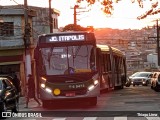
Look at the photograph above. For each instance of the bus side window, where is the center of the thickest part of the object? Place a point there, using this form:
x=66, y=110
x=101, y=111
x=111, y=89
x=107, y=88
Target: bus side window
x=92, y=59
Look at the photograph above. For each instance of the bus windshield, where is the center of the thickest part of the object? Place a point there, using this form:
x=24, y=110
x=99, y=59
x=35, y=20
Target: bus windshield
x=68, y=59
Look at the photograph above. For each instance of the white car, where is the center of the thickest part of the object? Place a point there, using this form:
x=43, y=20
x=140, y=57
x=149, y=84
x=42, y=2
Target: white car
x=141, y=78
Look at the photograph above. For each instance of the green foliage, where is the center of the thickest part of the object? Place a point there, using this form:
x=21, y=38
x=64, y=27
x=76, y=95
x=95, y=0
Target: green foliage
x=107, y=6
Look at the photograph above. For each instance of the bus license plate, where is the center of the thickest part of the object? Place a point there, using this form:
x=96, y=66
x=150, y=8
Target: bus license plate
x=70, y=94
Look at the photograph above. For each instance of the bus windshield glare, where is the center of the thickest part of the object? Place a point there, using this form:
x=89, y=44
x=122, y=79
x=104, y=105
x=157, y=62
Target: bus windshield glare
x=68, y=59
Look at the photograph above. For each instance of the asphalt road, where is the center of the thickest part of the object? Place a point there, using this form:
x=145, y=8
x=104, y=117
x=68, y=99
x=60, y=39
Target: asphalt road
x=130, y=103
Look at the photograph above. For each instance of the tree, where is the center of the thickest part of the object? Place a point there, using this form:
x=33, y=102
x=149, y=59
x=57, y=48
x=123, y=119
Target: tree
x=72, y=27
x=153, y=10
x=108, y=8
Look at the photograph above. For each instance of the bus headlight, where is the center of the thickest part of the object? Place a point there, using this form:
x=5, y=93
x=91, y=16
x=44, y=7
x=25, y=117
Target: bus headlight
x=90, y=87
x=95, y=82
x=95, y=79
x=43, y=85
x=43, y=79
x=48, y=90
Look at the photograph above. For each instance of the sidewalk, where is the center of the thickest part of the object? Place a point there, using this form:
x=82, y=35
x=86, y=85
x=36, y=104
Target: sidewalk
x=32, y=103
x=22, y=100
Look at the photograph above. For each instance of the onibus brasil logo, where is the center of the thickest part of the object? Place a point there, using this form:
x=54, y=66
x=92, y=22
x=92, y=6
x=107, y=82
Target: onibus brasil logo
x=21, y=114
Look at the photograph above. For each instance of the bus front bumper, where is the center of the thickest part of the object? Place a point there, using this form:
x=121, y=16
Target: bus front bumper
x=44, y=95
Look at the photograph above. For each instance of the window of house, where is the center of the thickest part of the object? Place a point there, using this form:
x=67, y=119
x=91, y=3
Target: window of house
x=6, y=29
x=55, y=23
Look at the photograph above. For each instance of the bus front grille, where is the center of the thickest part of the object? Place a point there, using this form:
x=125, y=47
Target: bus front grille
x=73, y=92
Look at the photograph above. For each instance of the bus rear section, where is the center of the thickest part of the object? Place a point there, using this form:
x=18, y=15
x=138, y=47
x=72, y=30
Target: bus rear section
x=66, y=68
x=112, y=68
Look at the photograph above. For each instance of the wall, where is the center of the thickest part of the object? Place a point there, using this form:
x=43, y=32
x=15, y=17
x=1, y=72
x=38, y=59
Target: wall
x=152, y=58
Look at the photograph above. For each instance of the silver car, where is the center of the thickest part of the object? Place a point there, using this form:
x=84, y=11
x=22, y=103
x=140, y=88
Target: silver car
x=141, y=78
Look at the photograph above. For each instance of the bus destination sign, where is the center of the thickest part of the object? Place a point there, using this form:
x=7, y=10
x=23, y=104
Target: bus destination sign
x=65, y=38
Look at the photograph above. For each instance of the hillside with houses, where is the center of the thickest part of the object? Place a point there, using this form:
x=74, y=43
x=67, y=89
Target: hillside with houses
x=139, y=46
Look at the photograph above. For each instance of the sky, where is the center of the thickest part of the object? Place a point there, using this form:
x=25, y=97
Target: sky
x=124, y=16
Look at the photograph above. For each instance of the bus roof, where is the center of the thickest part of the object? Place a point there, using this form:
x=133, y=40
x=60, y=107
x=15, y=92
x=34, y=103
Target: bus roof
x=105, y=48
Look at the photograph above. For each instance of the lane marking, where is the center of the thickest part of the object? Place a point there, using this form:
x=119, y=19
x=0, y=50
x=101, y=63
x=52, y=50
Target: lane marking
x=120, y=118
x=89, y=118
x=153, y=118
x=59, y=119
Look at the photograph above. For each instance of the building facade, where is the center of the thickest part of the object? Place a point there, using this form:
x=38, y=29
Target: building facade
x=12, y=44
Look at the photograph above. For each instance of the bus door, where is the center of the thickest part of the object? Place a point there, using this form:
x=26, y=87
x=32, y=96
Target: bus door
x=98, y=64
x=105, y=74
x=108, y=70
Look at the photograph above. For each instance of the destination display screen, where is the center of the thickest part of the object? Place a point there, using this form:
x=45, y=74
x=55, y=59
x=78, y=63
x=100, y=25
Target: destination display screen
x=57, y=38
x=65, y=38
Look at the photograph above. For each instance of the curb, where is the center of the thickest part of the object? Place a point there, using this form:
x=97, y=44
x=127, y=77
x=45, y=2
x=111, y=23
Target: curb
x=22, y=100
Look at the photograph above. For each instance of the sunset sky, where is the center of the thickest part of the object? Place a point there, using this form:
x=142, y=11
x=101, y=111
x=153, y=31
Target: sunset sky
x=125, y=13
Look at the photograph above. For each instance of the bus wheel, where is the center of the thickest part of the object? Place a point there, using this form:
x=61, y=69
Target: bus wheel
x=93, y=101
x=121, y=87
x=44, y=103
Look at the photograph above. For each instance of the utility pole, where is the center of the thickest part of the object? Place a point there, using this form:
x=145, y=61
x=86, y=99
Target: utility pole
x=50, y=17
x=27, y=42
x=158, y=46
x=75, y=13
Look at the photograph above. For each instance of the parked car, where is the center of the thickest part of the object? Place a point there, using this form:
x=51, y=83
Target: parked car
x=155, y=81
x=133, y=75
x=8, y=95
x=141, y=78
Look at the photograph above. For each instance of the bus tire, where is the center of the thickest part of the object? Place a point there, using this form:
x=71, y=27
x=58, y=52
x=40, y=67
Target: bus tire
x=121, y=87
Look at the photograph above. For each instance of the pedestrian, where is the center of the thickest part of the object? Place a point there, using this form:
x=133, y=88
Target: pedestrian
x=31, y=90
x=17, y=84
